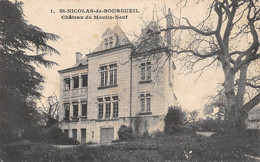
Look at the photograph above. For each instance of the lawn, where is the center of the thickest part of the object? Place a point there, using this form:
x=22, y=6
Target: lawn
x=184, y=147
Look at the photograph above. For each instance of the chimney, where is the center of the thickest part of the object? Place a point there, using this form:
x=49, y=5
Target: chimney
x=169, y=24
x=78, y=56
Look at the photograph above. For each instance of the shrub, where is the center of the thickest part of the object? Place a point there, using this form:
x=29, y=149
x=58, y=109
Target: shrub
x=52, y=135
x=145, y=135
x=70, y=141
x=125, y=133
x=6, y=135
x=211, y=125
x=174, y=120
x=115, y=141
x=55, y=135
x=157, y=134
x=91, y=143
x=223, y=146
x=15, y=151
x=33, y=134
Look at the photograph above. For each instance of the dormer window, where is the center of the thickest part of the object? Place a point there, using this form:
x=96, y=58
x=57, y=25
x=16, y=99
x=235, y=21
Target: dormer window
x=109, y=42
x=106, y=45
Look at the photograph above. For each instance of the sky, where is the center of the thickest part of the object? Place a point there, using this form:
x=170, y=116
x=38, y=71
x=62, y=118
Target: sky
x=84, y=36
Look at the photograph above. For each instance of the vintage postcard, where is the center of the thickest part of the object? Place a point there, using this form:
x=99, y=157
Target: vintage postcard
x=139, y=80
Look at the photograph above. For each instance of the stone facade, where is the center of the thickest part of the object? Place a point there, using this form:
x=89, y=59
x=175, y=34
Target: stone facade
x=109, y=87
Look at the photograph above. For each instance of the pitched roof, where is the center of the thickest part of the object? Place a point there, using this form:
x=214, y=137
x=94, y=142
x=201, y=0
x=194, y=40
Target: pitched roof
x=121, y=38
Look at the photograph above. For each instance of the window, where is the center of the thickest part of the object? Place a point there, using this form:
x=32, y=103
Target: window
x=100, y=99
x=148, y=68
x=146, y=71
x=67, y=83
x=76, y=82
x=107, y=98
x=84, y=80
x=108, y=110
x=104, y=76
x=115, y=109
x=67, y=111
x=74, y=134
x=145, y=101
x=142, y=104
x=106, y=45
x=108, y=75
x=108, y=107
x=75, y=109
x=83, y=108
x=143, y=71
x=148, y=104
x=113, y=74
x=108, y=42
x=100, y=110
x=115, y=98
x=110, y=104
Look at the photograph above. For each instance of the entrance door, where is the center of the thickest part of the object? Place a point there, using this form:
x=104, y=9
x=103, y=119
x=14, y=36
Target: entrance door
x=74, y=134
x=106, y=135
x=83, y=136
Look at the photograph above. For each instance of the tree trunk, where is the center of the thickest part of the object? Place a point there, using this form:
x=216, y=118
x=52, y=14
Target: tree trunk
x=240, y=95
x=241, y=86
x=232, y=115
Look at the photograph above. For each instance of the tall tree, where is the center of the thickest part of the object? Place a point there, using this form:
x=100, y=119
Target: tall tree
x=50, y=111
x=227, y=37
x=23, y=46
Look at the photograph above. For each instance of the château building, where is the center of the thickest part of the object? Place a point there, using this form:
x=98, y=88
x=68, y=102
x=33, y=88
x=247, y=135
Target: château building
x=116, y=85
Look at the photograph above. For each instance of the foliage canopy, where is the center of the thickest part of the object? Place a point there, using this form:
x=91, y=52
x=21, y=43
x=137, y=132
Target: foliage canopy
x=23, y=46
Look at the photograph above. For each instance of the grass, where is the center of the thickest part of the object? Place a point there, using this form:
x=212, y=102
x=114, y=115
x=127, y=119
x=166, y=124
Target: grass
x=184, y=147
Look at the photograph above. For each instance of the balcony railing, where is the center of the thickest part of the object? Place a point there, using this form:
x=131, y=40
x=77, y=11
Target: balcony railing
x=76, y=92
x=75, y=119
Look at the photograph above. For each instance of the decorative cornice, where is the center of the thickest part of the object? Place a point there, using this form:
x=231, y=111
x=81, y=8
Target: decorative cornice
x=72, y=69
x=109, y=50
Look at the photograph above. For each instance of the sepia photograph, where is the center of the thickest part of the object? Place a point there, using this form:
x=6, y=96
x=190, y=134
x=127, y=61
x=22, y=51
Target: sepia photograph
x=121, y=80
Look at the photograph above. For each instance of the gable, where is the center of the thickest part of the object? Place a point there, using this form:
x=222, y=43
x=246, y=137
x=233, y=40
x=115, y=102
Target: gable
x=119, y=39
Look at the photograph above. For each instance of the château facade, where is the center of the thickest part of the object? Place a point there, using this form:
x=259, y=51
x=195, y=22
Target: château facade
x=114, y=86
